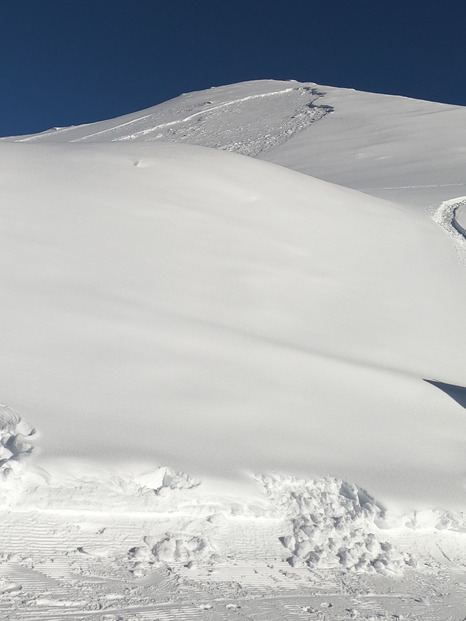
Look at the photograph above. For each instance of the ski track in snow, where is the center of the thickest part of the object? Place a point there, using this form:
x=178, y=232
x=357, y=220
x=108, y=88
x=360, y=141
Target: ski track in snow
x=414, y=187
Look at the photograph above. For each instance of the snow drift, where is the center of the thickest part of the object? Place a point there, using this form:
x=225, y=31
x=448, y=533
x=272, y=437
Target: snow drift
x=221, y=315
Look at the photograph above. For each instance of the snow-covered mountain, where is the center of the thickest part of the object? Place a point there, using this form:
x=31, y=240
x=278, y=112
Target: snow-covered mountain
x=174, y=304
x=392, y=147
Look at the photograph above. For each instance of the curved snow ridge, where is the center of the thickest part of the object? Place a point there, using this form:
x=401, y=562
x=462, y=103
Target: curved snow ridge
x=446, y=217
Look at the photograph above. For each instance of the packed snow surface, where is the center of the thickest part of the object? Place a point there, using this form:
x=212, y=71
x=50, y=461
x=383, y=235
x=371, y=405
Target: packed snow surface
x=226, y=361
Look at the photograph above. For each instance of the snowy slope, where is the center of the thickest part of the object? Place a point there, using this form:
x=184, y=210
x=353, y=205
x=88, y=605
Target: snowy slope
x=249, y=118
x=393, y=147
x=167, y=302
x=214, y=358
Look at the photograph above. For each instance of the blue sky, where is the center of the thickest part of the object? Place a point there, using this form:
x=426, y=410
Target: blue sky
x=66, y=62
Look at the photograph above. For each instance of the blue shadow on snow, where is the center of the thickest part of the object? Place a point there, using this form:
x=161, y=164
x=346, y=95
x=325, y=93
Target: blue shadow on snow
x=458, y=393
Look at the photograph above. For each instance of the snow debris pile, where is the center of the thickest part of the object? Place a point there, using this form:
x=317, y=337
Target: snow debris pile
x=164, y=479
x=172, y=549
x=333, y=523
x=437, y=519
x=445, y=215
x=15, y=443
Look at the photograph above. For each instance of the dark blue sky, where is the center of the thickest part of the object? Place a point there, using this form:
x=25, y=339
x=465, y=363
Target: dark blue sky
x=67, y=62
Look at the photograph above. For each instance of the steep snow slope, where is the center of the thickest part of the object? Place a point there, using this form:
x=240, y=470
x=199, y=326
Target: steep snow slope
x=393, y=147
x=169, y=302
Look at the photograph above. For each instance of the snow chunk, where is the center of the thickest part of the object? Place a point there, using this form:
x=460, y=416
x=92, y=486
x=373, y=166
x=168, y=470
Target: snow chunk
x=165, y=478
x=333, y=523
x=15, y=442
x=437, y=519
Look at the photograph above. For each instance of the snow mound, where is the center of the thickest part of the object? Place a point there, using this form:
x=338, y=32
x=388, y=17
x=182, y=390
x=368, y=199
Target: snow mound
x=333, y=523
x=173, y=549
x=15, y=442
x=164, y=479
